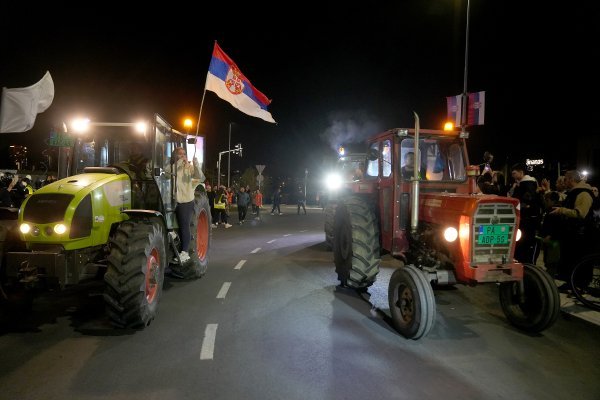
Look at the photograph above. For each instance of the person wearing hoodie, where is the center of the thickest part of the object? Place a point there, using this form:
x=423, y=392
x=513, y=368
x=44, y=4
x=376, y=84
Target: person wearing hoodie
x=525, y=188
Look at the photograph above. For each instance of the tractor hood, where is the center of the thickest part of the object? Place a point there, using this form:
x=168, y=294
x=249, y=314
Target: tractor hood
x=77, y=211
x=77, y=183
x=449, y=207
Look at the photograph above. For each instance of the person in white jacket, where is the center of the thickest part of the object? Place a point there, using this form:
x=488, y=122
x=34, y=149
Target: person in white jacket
x=188, y=175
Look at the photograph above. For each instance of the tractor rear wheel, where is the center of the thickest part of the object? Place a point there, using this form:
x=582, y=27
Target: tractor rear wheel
x=356, y=243
x=412, y=303
x=329, y=218
x=201, y=236
x=135, y=275
x=540, y=304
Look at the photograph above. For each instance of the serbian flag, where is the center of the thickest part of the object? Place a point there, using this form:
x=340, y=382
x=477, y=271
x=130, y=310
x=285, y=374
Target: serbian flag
x=476, y=109
x=455, y=109
x=227, y=81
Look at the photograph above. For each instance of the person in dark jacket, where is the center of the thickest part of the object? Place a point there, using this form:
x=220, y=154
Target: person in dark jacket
x=578, y=238
x=301, y=198
x=525, y=188
x=276, y=202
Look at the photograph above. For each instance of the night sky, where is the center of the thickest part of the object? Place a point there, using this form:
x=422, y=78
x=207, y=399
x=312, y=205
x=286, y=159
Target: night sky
x=333, y=73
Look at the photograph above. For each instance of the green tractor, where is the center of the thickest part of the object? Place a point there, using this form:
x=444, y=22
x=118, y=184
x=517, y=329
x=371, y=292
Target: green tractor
x=114, y=219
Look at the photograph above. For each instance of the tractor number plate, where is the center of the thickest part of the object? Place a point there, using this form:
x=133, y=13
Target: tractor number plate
x=493, y=234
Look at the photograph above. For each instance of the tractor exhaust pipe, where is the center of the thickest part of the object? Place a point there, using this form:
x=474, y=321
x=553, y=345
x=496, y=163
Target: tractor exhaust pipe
x=414, y=212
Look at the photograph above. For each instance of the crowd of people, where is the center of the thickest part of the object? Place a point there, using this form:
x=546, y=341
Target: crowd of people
x=14, y=189
x=563, y=221
x=220, y=200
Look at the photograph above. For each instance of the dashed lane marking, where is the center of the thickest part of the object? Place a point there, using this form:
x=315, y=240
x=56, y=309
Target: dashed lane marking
x=223, y=292
x=256, y=250
x=271, y=241
x=287, y=234
x=240, y=264
x=208, y=344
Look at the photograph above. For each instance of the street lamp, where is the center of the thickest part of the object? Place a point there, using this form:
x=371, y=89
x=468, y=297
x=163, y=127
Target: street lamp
x=187, y=124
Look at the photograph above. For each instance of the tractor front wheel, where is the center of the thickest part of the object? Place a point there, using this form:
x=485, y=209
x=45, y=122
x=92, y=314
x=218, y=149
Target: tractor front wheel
x=538, y=307
x=412, y=303
x=135, y=275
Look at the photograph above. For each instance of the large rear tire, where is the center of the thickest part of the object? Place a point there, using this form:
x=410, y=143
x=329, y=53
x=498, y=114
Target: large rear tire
x=356, y=243
x=201, y=237
x=541, y=302
x=412, y=302
x=329, y=221
x=135, y=275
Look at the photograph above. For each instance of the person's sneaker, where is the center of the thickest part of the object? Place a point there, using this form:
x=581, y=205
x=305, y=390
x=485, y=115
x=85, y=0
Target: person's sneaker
x=280, y=213
x=272, y=213
x=215, y=225
x=184, y=257
x=228, y=225
x=173, y=235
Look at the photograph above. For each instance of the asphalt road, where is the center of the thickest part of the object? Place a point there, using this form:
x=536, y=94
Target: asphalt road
x=269, y=321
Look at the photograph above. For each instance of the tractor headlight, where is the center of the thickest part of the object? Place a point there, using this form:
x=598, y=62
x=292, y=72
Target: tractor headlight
x=450, y=234
x=60, y=228
x=25, y=228
x=333, y=181
x=519, y=234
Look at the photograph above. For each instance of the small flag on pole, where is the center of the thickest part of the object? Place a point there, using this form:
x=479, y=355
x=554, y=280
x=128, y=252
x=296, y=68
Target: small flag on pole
x=227, y=81
x=20, y=106
x=476, y=111
x=454, y=109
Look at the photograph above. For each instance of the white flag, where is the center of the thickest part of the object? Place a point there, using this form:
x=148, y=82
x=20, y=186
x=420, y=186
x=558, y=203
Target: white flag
x=20, y=106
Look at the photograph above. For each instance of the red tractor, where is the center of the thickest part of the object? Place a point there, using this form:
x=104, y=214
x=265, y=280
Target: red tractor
x=439, y=228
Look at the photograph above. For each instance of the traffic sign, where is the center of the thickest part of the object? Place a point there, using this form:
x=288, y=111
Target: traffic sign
x=60, y=140
x=260, y=178
x=260, y=169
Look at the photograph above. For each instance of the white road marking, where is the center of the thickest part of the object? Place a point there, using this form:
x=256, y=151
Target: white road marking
x=256, y=250
x=208, y=344
x=240, y=264
x=271, y=241
x=223, y=292
x=287, y=234
x=305, y=230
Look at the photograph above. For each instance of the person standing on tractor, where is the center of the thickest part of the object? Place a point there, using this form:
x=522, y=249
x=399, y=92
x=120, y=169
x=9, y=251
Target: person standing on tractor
x=184, y=173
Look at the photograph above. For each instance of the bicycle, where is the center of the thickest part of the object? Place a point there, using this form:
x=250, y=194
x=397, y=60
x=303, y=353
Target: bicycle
x=585, y=281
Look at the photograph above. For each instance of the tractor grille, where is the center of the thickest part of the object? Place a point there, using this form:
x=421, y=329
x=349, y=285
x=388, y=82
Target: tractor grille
x=46, y=208
x=493, y=214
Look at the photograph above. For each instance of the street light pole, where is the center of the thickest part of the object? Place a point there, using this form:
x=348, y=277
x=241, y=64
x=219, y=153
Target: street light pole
x=229, y=157
x=305, y=179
